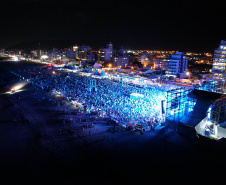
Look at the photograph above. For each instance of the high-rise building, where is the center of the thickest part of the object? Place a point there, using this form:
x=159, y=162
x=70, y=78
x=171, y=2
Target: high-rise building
x=144, y=59
x=177, y=63
x=121, y=61
x=219, y=61
x=75, y=49
x=83, y=52
x=120, y=51
x=71, y=54
x=161, y=64
x=106, y=52
x=120, y=58
x=92, y=57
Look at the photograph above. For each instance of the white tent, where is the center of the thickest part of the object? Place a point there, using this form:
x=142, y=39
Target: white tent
x=96, y=65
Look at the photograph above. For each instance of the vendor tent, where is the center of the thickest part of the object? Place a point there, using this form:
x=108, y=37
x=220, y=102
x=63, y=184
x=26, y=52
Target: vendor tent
x=85, y=70
x=96, y=72
x=102, y=74
x=89, y=71
x=96, y=65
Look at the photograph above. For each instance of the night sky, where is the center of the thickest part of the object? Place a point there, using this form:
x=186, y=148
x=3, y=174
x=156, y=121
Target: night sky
x=165, y=25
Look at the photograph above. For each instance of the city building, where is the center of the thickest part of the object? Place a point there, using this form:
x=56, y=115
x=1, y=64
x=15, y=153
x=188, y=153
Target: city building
x=121, y=61
x=35, y=53
x=106, y=52
x=219, y=61
x=2, y=52
x=177, y=64
x=120, y=52
x=53, y=54
x=71, y=54
x=160, y=64
x=75, y=49
x=83, y=52
x=144, y=59
x=199, y=58
x=92, y=57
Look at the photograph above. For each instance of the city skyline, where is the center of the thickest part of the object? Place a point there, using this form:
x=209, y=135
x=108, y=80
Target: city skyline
x=184, y=26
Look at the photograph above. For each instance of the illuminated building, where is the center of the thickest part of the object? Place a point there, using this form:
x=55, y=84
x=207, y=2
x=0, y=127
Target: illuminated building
x=219, y=61
x=120, y=58
x=75, y=49
x=83, y=52
x=121, y=61
x=92, y=57
x=120, y=52
x=2, y=51
x=106, y=52
x=177, y=63
x=144, y=58
x=54, y=54
x=160, y=64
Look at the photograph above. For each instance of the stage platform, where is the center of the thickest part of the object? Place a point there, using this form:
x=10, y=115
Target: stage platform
x=186, y=124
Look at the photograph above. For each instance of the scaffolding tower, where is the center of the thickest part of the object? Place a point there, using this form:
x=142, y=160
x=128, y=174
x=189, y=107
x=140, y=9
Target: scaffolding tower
x=122, y=82
x=92, y=85
x=178, y=103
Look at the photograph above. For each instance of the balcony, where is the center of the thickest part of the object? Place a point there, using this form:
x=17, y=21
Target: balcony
x=219, y=57
x=218, y=71
x=220, y=50
x=220, y=53
x=219, y=65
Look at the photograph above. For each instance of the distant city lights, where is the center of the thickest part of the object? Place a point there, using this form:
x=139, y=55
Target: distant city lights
x=15, y=58
x=44, y=57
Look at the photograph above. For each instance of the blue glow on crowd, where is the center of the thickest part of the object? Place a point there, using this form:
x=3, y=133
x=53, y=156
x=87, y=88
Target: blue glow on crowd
x=109, y=97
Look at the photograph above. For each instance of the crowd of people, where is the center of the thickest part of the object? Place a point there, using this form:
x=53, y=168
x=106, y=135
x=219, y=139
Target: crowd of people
x=108, y=97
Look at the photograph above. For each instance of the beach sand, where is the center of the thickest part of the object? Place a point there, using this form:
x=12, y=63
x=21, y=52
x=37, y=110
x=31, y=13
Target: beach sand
x=41, y=143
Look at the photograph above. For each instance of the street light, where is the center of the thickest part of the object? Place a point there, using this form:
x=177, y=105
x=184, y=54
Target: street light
x=188, y=74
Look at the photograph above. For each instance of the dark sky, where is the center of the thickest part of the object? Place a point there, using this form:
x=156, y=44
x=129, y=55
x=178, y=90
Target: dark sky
x=168, y=25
